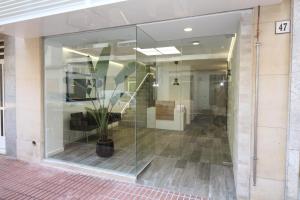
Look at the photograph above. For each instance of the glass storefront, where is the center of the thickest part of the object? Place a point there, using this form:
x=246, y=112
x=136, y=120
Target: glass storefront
x=118, y=99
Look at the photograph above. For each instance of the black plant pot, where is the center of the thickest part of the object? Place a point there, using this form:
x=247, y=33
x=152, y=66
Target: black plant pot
x=105, y=148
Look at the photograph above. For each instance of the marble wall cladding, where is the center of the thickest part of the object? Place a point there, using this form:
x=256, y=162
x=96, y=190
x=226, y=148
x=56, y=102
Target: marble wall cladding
x=293, y=138
x=240, y=106
x=295, y=98
x=267, y=189
x=244, y=115
x=292, y=176
x=273, y=103
x=10, y=97
x=29, y=106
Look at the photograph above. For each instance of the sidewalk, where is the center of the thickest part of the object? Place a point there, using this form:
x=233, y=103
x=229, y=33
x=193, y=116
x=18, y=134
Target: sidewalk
x=20, y=180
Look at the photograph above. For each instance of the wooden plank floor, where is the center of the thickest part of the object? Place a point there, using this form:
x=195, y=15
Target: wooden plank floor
x=190, y=161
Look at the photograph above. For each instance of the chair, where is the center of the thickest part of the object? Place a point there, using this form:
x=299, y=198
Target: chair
x=79, y=122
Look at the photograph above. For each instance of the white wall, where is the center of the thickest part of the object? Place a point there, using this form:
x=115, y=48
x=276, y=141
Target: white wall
x=201, y=91
x=168, y=92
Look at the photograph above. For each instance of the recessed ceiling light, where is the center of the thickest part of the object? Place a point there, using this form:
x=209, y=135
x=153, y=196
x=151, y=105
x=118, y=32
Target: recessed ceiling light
x=195, y=43
x=168, y=50
x=148, y=52
x=158, y=51
x=188, y=29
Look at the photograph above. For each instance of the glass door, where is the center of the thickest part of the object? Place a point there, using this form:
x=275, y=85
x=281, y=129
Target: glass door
x=2, y=134
x=145, y=100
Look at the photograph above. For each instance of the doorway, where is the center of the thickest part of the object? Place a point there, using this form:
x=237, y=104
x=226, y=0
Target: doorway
x=188, y=118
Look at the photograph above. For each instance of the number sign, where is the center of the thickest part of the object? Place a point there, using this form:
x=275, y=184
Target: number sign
x=282, y=27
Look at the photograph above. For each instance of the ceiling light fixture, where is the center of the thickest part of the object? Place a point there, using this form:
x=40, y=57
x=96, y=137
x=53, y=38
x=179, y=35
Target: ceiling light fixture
x=149, y=51
x=188, y=29
x=168, y=50
x=158, y=51
x=196, y=43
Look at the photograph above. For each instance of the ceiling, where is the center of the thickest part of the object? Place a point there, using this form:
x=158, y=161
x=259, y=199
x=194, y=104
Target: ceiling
x=81, y=16
x=214, y=43
x=210, y=54
x=208, y=25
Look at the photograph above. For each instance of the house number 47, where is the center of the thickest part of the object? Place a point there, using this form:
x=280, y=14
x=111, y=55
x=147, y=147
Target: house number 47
x=282, y=27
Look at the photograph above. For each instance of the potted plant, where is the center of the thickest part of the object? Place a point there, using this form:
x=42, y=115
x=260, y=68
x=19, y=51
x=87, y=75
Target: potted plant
x=104, y=102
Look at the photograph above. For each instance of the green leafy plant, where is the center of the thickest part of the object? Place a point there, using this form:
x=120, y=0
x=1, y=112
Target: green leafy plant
x=103, y=104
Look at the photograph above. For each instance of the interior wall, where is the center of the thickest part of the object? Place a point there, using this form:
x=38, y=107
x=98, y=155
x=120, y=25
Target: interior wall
x=194, y=89
x=201, y=91
x=168, y=92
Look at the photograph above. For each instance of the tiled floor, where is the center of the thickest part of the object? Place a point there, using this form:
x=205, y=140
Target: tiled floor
x=124, y=158
x=20, y=181
x=196, y=161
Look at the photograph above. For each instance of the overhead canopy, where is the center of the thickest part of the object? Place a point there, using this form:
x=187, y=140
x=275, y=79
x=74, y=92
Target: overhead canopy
x=31, y=18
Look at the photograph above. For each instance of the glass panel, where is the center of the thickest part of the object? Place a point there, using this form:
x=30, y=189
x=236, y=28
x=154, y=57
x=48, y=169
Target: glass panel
x=188, y=120
x=145, y=102
x=90, y=78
